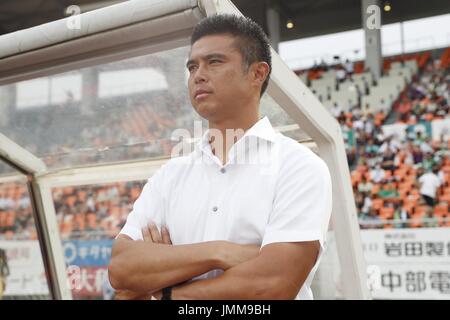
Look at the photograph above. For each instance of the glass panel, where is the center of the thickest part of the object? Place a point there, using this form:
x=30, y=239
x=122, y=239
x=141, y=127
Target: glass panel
x=327, y=283
x=22, y=273
x=6, y=170
x=125, y=110
x=280, y=119
x=113, y=112
x=89, y=218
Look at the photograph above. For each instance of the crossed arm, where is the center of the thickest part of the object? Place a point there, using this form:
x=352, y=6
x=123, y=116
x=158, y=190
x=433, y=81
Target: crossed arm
x=139, y=269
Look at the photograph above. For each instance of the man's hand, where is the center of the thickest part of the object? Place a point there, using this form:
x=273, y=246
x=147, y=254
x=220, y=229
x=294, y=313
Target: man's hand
x=221, y=254
x=150, y=234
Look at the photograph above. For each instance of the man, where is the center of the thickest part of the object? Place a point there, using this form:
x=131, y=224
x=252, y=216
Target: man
x=238, y=230
x=349, y=67
x=364, y=185
x=336, y=110
x=429, y=183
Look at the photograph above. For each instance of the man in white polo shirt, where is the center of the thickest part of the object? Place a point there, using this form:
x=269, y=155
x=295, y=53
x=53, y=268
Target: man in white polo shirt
x=239, y=220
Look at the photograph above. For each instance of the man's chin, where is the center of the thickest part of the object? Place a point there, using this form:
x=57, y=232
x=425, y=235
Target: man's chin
x=207, y=112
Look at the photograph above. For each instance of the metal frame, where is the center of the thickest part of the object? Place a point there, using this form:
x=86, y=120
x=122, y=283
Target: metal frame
x=44, y=215
x=284, y=87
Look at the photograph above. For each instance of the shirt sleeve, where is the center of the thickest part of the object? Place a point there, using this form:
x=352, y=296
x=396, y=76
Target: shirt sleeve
x=148, y=207
x=302, y=203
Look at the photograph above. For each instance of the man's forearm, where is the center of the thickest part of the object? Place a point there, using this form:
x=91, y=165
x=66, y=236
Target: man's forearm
x=278, y=272
x=147, y=267
x=241, y=282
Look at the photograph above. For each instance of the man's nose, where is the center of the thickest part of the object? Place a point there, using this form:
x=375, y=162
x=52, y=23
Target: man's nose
x=200, y=75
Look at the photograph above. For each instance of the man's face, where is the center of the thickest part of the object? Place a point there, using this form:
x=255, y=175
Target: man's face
x=219, y=87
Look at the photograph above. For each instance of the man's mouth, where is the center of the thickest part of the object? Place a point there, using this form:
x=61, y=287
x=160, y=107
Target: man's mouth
x=202, y=95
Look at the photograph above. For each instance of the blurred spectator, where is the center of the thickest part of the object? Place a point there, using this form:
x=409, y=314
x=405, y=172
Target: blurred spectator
x=388, y=160
x=429, y=183
x=371, y=220
x=430, y=221
x=336, y=110
x=388, y=190
x=401, y=215
x=349, y=68
x=377, y=175
x=365, y=186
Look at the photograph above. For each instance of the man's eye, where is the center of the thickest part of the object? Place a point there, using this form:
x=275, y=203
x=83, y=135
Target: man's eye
x=191, y=68
x=214, y=61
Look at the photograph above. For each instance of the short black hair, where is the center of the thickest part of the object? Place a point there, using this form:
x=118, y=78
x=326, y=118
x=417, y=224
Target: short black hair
x=252, y=41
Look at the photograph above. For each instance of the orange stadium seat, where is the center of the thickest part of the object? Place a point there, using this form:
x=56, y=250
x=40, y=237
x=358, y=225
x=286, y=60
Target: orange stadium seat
x=402, y=193
x=2, y=219
x=445, y=197
x=386, y=213
x=387, y=174
x=375, y=189
x=10, y=219
x=441, y=209
x=91, y=220
x=377, y=203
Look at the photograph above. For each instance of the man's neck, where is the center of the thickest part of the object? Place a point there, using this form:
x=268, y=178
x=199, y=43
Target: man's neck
x=231, y=130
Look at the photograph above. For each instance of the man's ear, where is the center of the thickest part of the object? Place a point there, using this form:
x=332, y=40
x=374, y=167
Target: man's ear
x=260, y=71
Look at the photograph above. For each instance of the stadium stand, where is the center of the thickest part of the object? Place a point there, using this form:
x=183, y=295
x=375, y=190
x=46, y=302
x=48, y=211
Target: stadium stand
x=385, y=169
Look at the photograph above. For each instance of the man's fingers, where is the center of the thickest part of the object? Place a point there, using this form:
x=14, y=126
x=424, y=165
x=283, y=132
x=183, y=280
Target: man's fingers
x=146, y=235
x=165, y=235
x=155, y=233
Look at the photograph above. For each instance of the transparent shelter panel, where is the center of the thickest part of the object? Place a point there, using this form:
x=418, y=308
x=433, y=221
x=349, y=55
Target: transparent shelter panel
x=119, y=111
x=327, y=283
x=22, y=273
x=6, y=170
x=280, y=120
x=89, y=218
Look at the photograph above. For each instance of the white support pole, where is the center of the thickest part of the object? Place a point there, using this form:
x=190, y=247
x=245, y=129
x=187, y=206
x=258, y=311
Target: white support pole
x=20, y=158
x=44, y=214
x=49, y=240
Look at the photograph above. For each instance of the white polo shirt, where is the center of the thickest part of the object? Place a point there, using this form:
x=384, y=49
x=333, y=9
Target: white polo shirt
x=282, y=196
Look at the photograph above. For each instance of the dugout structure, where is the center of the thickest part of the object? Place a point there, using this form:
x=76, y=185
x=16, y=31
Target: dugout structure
x=157, y=33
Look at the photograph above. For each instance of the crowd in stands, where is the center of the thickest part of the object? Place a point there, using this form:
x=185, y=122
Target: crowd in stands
x=426, y=98
x=84, y=212
x=398, y=180
x=344, y=69
x=402, y=177
x=117, y=130
x=94, y=212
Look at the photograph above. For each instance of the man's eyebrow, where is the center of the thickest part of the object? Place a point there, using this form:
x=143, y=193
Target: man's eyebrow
x=206, y=57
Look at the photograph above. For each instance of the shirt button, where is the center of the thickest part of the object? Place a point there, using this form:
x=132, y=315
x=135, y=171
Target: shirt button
x=214, y=209
x=223, y=170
